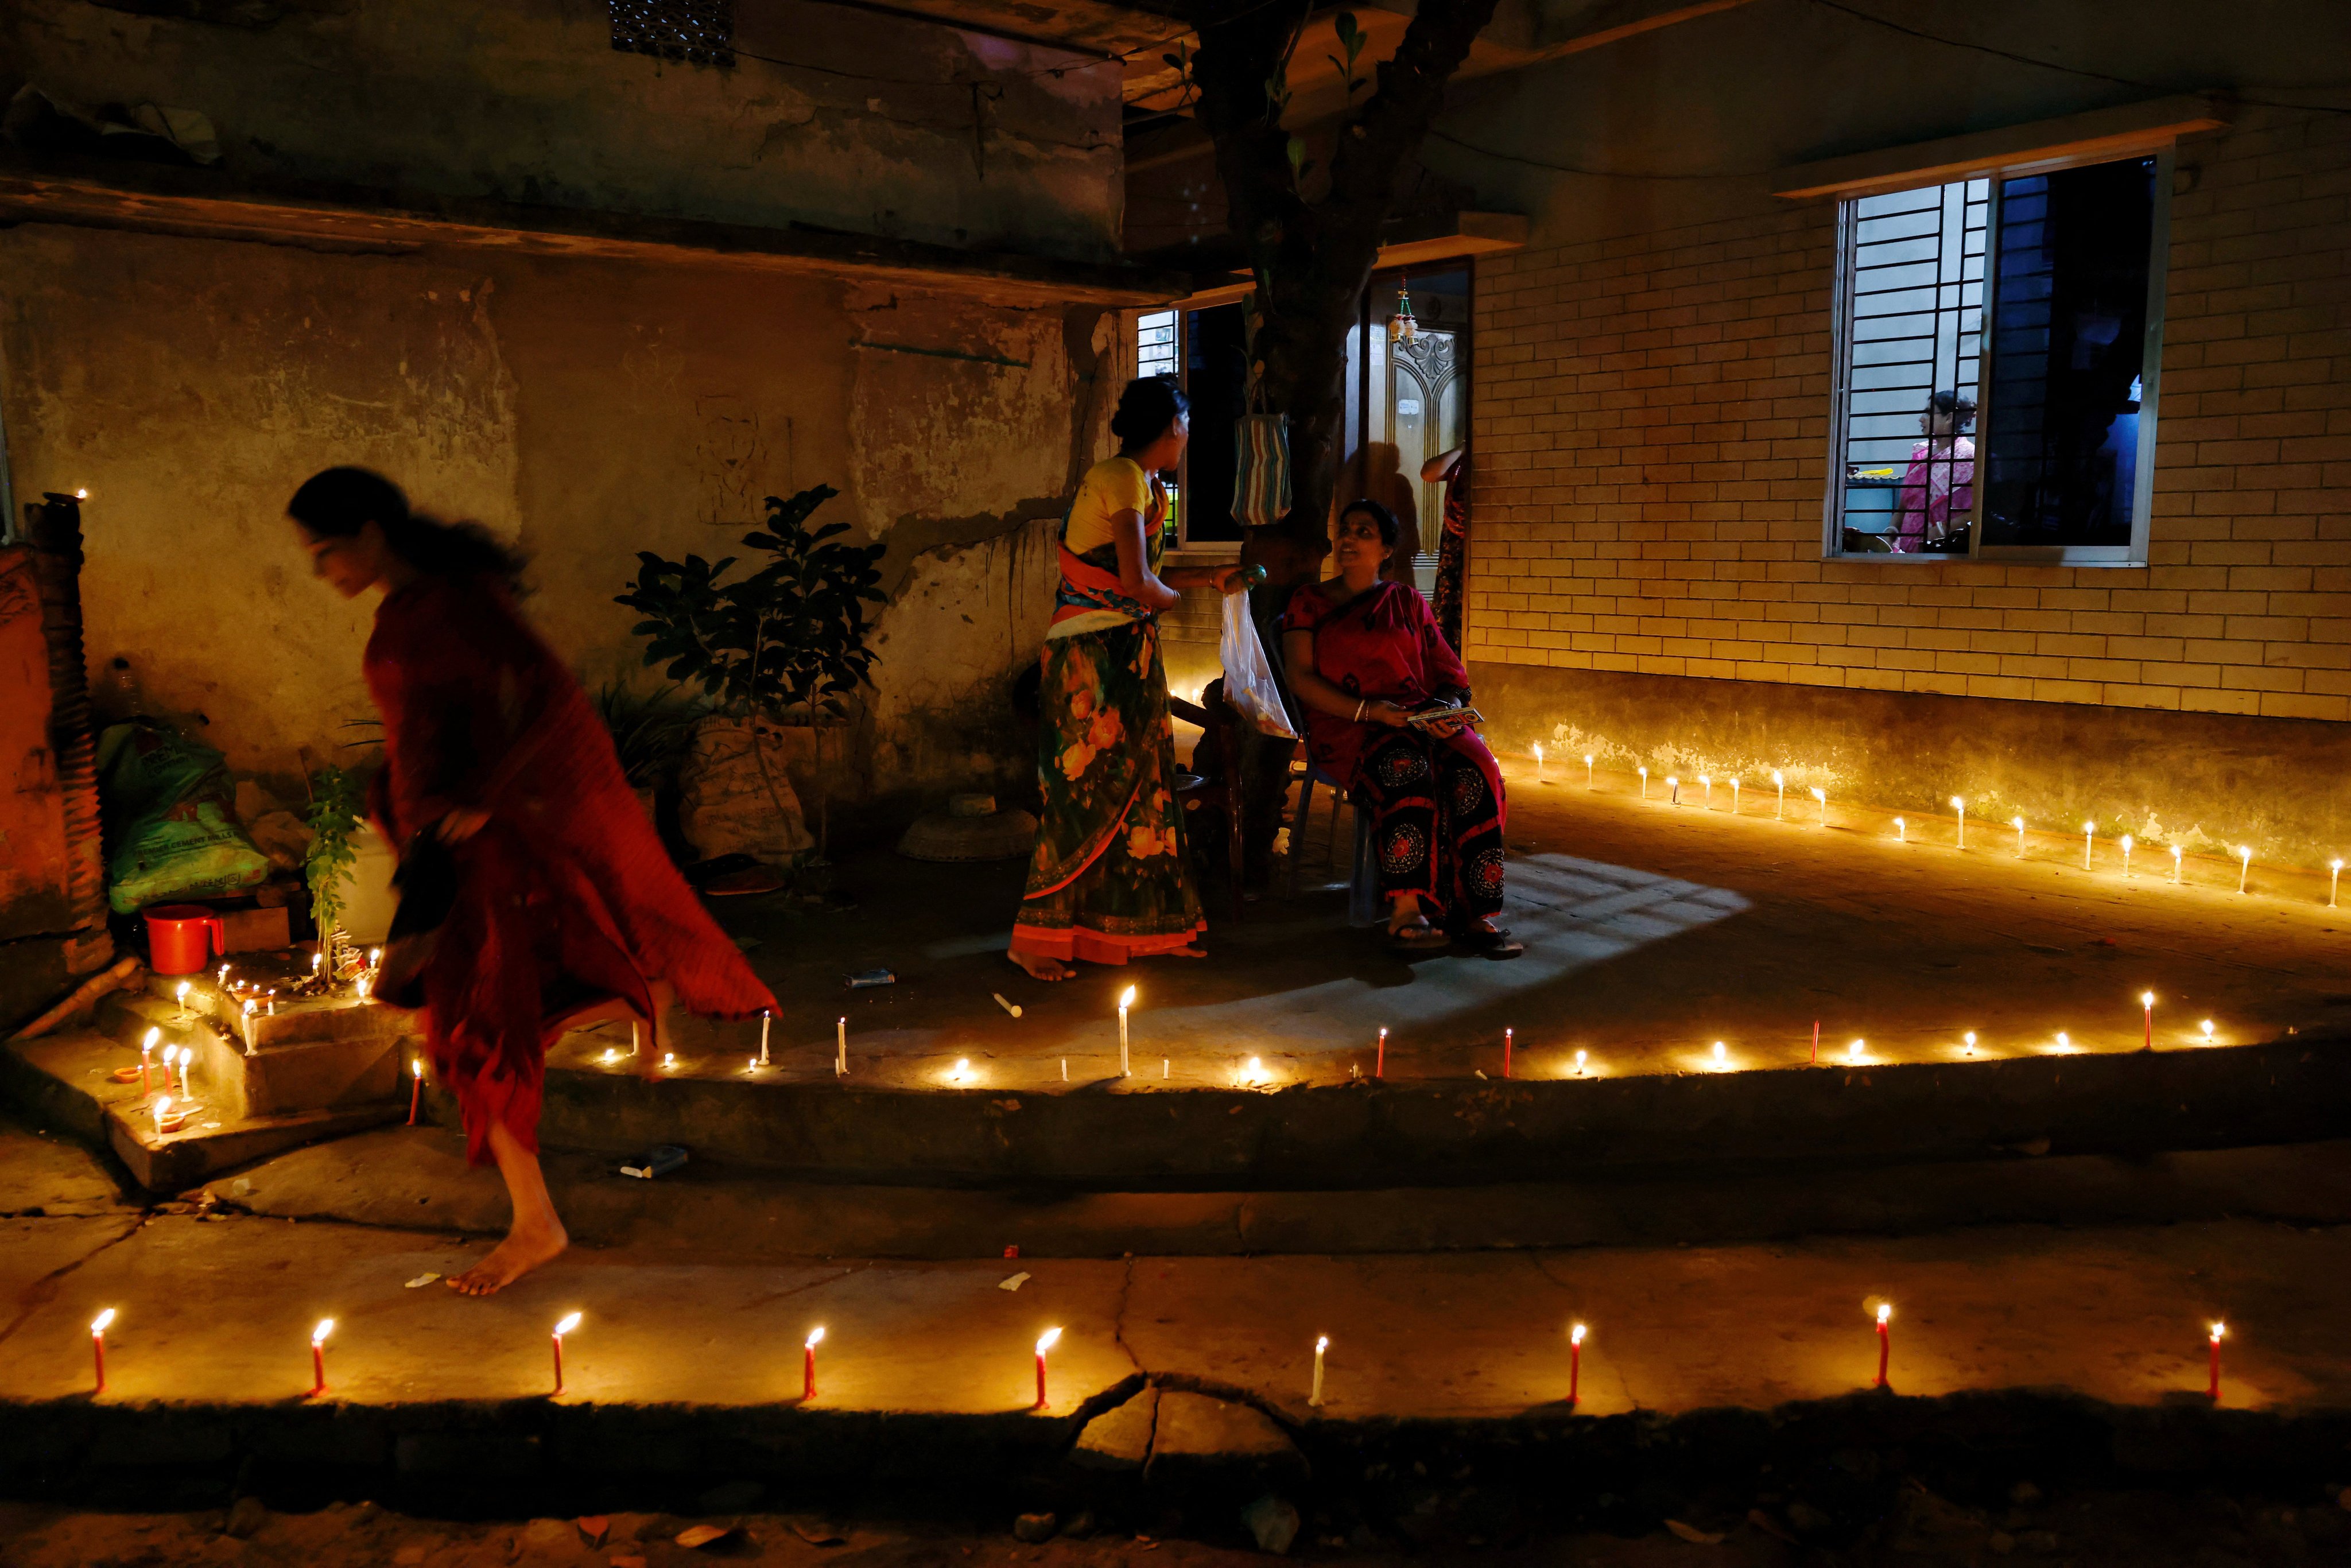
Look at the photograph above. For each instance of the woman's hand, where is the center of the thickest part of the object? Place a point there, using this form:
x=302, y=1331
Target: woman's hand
x=1387, y=714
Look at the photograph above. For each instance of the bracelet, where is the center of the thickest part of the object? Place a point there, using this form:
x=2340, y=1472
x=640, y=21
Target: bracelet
x=1358, y=710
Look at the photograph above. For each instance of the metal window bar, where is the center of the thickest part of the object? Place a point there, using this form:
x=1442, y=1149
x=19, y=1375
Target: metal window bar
x=1155, y=343
x=1913, y=297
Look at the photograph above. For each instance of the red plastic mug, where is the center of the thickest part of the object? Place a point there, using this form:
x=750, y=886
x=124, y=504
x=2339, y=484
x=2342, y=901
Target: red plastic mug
x=181, y=936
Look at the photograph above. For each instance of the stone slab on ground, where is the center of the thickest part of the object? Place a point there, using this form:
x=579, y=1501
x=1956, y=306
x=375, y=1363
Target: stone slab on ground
x=1200, y=1441
x=42, y=1175
x=1119, y=1439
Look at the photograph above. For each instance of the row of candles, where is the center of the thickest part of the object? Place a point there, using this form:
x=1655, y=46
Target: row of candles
x=1576, y=1335
x=1672, y=785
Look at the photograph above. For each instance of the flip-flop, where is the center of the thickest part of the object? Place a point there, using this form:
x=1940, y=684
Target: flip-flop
x=1495, y=943
x=1419, y=940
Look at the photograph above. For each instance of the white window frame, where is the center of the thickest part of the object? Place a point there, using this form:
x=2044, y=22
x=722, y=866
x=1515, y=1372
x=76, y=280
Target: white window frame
x=2134, y=554
x=1185, y=545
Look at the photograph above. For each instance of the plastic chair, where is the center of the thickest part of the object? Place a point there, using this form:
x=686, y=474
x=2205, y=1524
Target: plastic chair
x=1364, y=878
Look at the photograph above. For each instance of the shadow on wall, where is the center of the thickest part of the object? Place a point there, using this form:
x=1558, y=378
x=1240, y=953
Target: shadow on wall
x=2205, y=782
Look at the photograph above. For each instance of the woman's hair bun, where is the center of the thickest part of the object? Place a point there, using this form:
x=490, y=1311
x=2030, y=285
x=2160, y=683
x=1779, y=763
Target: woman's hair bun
x=1146, y=409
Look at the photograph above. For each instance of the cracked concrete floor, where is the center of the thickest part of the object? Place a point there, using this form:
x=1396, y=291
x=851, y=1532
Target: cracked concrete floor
x=220, y=1307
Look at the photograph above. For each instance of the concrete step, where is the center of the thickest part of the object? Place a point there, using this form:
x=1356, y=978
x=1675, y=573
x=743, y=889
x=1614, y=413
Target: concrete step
x=308, y=1056
x=1127, y=1135
x=69, y=1082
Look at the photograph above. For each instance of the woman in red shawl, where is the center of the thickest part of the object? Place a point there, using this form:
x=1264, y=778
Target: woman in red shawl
x=1377, y=678
x=565, y=904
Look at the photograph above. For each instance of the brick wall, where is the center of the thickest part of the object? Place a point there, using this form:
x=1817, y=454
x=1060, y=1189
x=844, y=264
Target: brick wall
x=1652, y=422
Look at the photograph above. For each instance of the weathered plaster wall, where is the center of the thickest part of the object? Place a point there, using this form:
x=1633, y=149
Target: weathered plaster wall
x=850, y=119
x=588, y=409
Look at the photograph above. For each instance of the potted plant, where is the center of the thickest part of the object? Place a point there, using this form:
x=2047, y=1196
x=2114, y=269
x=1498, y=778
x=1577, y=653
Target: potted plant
x=787, y=639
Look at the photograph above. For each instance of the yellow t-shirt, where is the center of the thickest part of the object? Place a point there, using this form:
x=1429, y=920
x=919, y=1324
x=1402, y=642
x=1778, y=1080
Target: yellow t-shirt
x=1114, y=486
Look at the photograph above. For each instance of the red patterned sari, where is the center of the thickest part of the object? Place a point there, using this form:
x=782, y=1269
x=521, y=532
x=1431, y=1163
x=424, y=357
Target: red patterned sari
x=567, y=898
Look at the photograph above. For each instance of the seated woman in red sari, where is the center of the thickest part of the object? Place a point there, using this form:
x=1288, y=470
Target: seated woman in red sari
x=1377, y=677
x=565, y=906
x=1109, y=880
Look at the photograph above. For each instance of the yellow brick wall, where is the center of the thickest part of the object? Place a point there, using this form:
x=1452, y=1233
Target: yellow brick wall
x=1652, y=420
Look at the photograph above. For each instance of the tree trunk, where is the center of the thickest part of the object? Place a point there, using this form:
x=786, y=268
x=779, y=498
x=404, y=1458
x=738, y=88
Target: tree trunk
x=1312, y=259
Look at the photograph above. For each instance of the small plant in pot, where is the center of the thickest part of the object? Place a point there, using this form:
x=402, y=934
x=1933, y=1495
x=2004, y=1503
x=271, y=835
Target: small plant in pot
x=788, y=640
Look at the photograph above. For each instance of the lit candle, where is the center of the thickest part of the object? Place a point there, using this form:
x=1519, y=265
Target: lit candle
x=1539, y=762
x=611, y=1056
x=1817, y=1042
x=1853, y=1051
x=144, y=1046
x=1734, y=797
x=1961, y=808
x=2147, y=1000
x=375, y=958
x=1506, y=1053
x=2127, y=850
x=1578, y=1065
x=415, y=1087
x=163, y=1113
x=1884, y=1339
x=1065, y=1069
x=1380, y=1059
x=840, y=1047
x=273, y=1001
x=181, y=993
x=2333, y=875
x=1673, y=790
x=248, y=1026
x=2244, y=865
x=1901, y=832
x=1587, y=771
x=2018, y=823
x=669, y=1061
x=765, y=1020
x=1045, y=1341
x=566, y=1326
x=1645, y=782
x=962, y=1069
x=316, y=960
x=1575, y=1364
x=1971, y=1043
x=105, y=1320
x=365, y=986
x=1708, y=783
x=2175, y=864
x=2089, y=832
x=1721, y=1059
x=2064, y=1042
x=1821, y=796
x=1163, y=1068
x=808, y=1362
x=1781, y=784
x=2207, y=1027
x=2218, y=1330
x=318, y=1356
x=1322, y=1343
x=1125, y=1000
x=224, y=974
x=187, y=1054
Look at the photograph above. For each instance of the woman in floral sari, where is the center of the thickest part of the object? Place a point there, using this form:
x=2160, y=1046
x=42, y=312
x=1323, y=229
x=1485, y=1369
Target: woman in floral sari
x=1109, y=880
x=1381, y=684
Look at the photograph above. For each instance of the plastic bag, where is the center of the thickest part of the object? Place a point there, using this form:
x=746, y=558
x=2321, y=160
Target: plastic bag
x=1249, y=685
x=169, y=817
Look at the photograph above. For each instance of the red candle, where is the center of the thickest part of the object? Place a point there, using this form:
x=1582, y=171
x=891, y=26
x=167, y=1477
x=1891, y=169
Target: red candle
x=1574, y=1362
x=1884, y=1339
x=1380, y=1062
x=565, y=1327
x=98, y=1325
x=415, y=1088
x=808, y=1365
x=144, y=1046
x=318, y=1356
x=2147, y=1000
x=1506, y=1053
x=1047, y=1341
x=2218, y=1330
x=1817, y=1042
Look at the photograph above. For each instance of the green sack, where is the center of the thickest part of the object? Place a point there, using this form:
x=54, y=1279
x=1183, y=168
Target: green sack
x=170, y=816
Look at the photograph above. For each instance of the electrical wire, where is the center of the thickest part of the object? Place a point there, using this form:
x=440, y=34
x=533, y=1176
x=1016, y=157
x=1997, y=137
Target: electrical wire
x=1438, y=135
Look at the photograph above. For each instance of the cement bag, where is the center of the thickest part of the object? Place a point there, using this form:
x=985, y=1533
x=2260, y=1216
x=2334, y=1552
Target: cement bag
x=1260, y=469
x=1249, y=678
x=170, y=820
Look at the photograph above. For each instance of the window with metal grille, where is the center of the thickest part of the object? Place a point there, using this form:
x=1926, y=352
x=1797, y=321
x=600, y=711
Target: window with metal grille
x=2027, y=304
x=699, y=31
x=1155, y=343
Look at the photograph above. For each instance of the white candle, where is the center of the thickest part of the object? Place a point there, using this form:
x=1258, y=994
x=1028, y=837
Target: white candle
x=1901, y=832
x=2244, y=865
x=1821, y=796
x=765, y=1018
x=1961, y=808
x=2333, y=875
x=2064, y=1042
x=1587, y=771
x=182, y=994
x=2207, y=1027
x=1645, y=782
x=2089, y=832
x=1721, y=1058
x=2175, y=864
x=1321, y=1345
x=840, y=1047
x=1707, y=781
x=1781, y=784
x=248, y=1026
x=1163, y=1067
x=1579, y=1063
x=1538, y=762
x=1971, y=1043
x=1125, y=1000
x=1734, y=797
x=2127, y=850
x=2018, y=823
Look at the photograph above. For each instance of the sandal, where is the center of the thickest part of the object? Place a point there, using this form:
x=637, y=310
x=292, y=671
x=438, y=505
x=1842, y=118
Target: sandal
x=1493, y=944
x=1419, y=936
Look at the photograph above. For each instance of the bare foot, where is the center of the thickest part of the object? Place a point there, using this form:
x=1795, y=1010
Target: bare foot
x=1193, y=951
x=1038, y=967
x=525, y=1248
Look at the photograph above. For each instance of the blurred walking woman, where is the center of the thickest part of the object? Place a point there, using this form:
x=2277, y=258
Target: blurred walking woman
x=501, y=790
x=1109, y=880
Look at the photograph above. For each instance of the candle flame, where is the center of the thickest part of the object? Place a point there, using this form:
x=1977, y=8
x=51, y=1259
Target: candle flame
x=1575, y=1335
x=318, y=1335
x=1579, y=1061
x=2146, y=998
x=1587, y=760
x=1820, y=794
x=815, y=1336
x=153, y=1036
x=1885, y=1310
x=162, y=1108
x=2243, y=854
x=611, y=1055
x=375, y=957
x=962, y=1068
x=2127, y=843
x=365, y=986
x=82, y=495
x=2218, y=1330
x=669, y=1061
x=2089, y=827
x=1673, y=781
x=1322, y=1343
x=416, y=1067
x=2017, y=823
x=1126, y=998
x=1538, y=752
x=2063, y=1043
x=1853, y=1051
x=248, y=1007
x=182, y=992
x=1957, y=804
x=2208, y=1029
x=570, y=1322
x=1048, y=1339
x=105, y=1321
x=1718, y=1053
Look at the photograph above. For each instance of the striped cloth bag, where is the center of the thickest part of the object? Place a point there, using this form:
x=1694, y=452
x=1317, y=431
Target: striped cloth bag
x=1260, y=469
